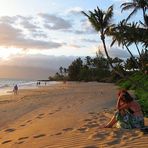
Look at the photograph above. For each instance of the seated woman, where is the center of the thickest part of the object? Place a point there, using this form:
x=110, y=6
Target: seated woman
x=129, y=114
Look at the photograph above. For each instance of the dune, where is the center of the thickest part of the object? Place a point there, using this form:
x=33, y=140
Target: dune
x=64, y=116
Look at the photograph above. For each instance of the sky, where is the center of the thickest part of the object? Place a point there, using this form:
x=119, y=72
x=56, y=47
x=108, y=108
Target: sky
x=39, y=36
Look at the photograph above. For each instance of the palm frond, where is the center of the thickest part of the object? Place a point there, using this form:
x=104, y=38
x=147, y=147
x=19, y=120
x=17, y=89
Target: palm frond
x=109, y=14
x=127, y=6
x=131, y=14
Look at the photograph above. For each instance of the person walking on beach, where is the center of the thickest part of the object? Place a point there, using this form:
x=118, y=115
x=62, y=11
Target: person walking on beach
x=128, y=115
x=15, y=89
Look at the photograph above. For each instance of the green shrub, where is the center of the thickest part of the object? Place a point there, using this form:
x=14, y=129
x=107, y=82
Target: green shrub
x=138, y=83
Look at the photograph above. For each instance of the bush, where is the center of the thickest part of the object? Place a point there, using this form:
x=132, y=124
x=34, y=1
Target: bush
x=142, y=98
x=139, y=84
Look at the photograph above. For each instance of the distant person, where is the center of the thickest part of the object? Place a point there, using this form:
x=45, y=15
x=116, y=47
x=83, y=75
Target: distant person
x=64, y=81
x=15, y=89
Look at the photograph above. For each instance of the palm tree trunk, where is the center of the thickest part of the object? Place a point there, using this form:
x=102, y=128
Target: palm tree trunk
x=108, y=57
x=120, y=74
x=132, y=56
x=141, y=59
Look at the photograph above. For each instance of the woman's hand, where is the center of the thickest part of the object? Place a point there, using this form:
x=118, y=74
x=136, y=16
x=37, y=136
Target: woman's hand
x=119, y=102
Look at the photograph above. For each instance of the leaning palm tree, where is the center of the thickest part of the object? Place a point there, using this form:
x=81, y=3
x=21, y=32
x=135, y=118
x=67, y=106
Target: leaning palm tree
x=101, y=20
x=136, y=5
x=123, y=36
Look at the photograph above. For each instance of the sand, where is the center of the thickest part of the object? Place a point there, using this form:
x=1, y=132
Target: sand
x=64, y=116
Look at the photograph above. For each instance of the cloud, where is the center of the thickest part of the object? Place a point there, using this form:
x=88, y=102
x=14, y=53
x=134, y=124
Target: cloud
x=21, y=72
x=8, y=19
x=44, y=61
x=12, y=37
x=114, y=52
x=39, y=34
x=33, y=66
x=54, y=22
x=117, y=52
x=90, y=40
x=74, y=11
x=29, y=25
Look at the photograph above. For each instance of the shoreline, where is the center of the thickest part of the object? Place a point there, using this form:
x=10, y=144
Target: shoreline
x=64, y=115
x=9, y=90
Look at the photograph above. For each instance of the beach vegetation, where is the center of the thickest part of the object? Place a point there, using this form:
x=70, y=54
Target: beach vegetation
x=140, y=93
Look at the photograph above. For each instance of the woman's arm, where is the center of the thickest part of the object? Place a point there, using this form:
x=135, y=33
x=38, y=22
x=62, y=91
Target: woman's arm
x=119, y=102
x=123, y=106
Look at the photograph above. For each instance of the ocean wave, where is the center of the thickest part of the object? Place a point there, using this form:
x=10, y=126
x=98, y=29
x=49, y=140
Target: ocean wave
x=4, y=86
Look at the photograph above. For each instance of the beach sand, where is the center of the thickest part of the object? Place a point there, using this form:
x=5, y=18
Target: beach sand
x=64, y=116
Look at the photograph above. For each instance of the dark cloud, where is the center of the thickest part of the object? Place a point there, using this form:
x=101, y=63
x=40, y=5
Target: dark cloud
x=8, y=19
x=46, y=61
x=54, y=22
x=29, y=25
x=33, y=66
x=117, y=52
x=22, y=72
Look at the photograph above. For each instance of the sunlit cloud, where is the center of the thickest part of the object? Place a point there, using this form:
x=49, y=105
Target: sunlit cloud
x=12, y=37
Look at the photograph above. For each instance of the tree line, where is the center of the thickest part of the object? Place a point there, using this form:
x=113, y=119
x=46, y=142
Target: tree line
x=98, y=68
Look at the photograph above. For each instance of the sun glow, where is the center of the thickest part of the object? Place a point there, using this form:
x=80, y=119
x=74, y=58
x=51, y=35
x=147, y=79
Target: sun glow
x=7, y=53
x=7, y=7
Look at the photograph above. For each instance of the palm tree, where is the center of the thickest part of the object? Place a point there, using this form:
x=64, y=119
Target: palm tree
x=101, y=20
x=136, y=5
x=61, y=70
x=123, y=35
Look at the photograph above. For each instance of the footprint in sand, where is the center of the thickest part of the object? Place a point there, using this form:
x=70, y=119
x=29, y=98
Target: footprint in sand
x=22, y=138
x=23, y=125
x=20, y=142
x=91, y=146
x=10, y=130
x=113, y=142
x=95, y=117
x=59, y=133
x=91, y=125
x=59, y=109
x=91, y=113
x=67, y=129
x=51, y=113
x=7, y=141
x=28, y=121
x=87, y=120
x=82, y=129
x=99, y=135
x=39, y=136
x=40, y=116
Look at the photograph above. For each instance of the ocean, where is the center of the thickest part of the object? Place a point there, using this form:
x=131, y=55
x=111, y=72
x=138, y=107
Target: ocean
x=6, y=85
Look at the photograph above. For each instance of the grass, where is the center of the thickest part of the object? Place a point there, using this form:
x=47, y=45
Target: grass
x=138, y=83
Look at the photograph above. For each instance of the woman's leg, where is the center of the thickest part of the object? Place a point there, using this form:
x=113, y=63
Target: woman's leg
x=111, y=122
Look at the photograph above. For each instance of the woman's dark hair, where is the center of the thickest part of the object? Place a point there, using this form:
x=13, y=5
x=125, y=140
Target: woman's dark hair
x=127, y=97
